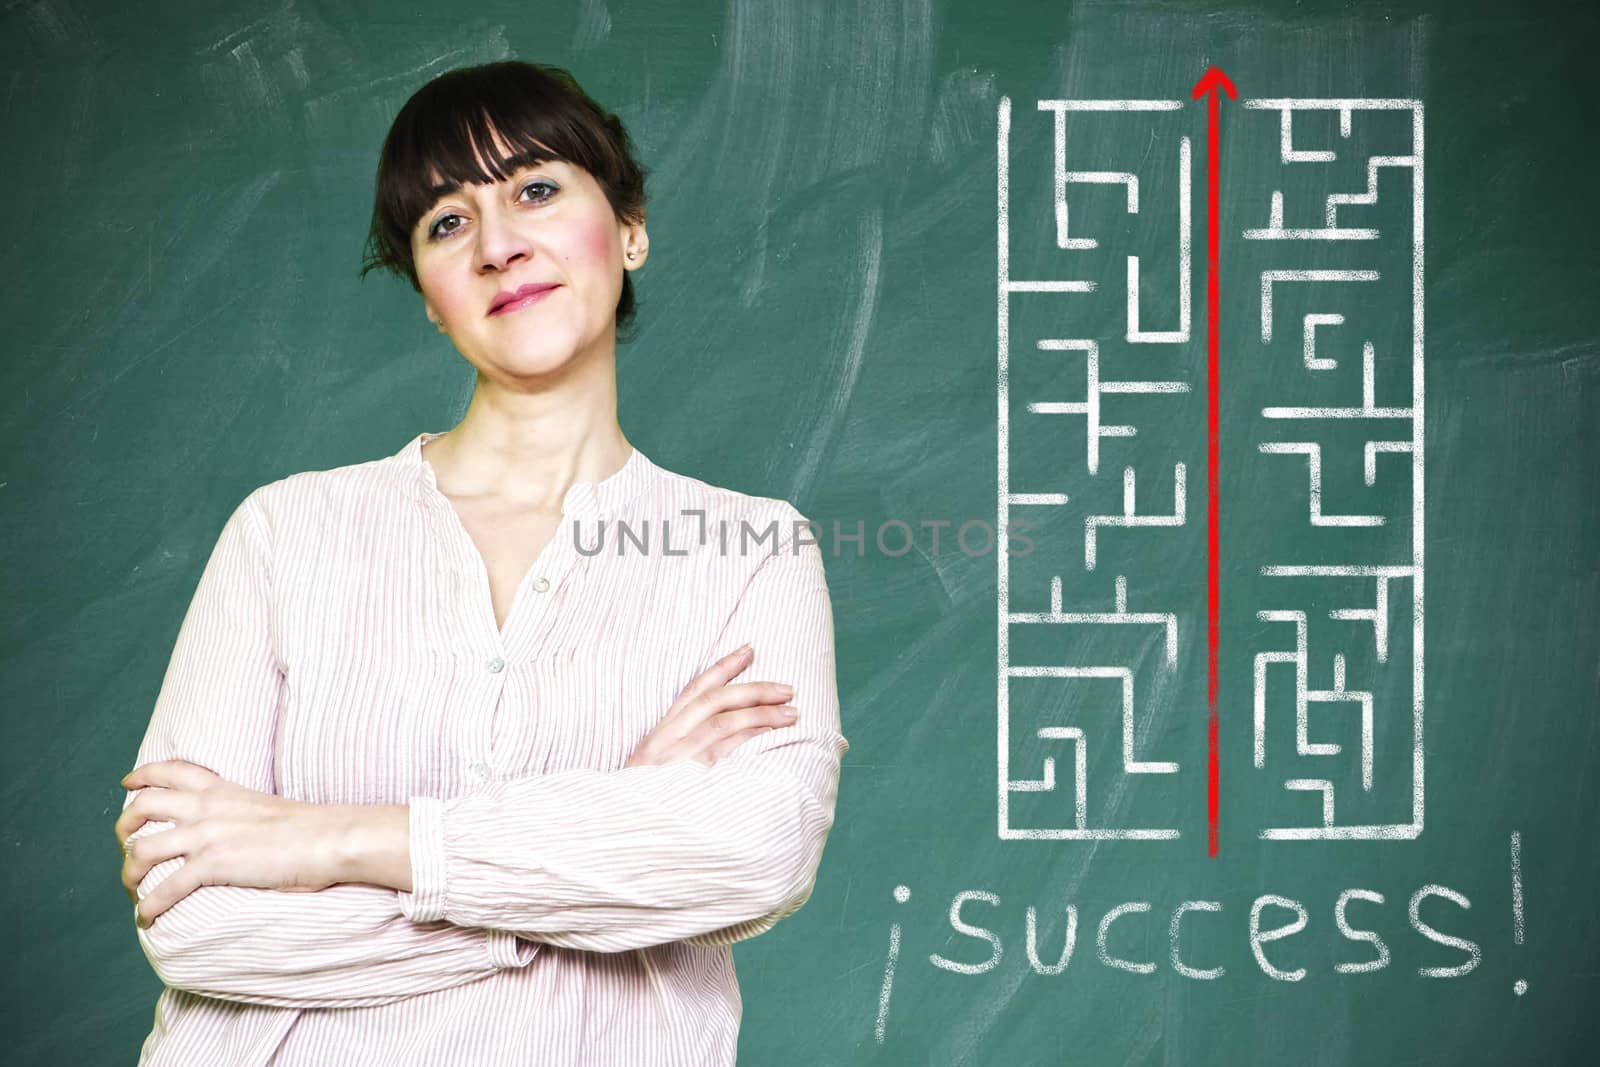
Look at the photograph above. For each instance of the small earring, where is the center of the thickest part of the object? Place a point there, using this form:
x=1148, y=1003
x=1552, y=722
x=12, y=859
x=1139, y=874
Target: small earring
x=633, y=255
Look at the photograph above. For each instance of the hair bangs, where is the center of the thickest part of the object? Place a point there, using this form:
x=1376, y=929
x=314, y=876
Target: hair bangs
x=454, y=148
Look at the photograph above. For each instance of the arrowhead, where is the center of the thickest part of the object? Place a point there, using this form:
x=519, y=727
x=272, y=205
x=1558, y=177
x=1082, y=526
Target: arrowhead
x=1211, y=80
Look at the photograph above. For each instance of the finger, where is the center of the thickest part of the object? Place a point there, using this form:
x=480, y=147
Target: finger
x=730, y=697
x=715, y=737
x=724, y=747
x=146, y=910
x=697, y=726
x=155, y=805
x=704, y=740
x=146, y=774
x=732, y=739
x=132, y=817
x=123, y=848
x=179, y=884
x=143, y=855
x=138, y=859
x=719, y=673
x=716, y=730
x=761, y=715
x=174, y=773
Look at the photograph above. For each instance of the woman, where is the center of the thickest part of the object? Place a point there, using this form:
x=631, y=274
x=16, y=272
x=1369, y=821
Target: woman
x=424, y=752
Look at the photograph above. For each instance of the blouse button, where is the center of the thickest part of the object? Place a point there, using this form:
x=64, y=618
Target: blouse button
x=481, y=771
x=541, y=584
x=496, y=665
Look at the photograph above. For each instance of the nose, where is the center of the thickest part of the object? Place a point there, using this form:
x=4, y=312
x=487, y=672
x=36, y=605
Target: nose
x=499, y=243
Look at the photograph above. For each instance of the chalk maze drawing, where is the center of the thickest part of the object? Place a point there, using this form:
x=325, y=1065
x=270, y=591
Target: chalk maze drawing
x=1343, y=578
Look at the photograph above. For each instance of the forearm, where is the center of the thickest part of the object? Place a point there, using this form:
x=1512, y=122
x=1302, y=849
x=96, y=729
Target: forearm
x=372, y=844
x=343, y=946
x=612, y=861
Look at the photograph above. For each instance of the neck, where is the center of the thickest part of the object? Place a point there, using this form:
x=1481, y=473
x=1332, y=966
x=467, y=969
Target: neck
x=528, y=448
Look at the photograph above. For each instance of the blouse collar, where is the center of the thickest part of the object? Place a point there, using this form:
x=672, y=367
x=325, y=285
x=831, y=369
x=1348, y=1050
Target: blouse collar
x=586, y=499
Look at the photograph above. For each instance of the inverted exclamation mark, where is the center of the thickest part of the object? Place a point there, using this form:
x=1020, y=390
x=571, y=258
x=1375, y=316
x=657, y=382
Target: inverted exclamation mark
x=1521, y=985
x=902, y=893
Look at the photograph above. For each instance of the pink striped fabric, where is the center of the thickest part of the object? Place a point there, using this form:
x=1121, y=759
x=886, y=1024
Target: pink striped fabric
x=341, y=648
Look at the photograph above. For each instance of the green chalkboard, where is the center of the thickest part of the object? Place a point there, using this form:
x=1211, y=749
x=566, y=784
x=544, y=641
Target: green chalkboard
x=892, y=246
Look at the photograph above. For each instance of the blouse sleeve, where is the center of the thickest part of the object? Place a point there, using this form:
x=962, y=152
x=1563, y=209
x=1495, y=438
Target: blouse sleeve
x=345, y=946
x=616, y=860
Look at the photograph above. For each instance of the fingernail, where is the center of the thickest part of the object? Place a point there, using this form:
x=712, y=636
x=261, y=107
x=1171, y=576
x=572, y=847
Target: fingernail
x=786, y=690
x=742, y=649
x=789, y=713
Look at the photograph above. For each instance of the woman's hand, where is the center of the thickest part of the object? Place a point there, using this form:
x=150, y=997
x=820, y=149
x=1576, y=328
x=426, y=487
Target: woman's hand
x=711, y=718
x=228, y=834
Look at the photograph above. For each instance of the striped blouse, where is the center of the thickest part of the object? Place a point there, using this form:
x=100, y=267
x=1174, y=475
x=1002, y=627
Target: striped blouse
x=342, y=648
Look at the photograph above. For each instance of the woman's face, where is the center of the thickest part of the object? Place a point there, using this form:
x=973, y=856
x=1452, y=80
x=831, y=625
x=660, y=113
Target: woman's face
x=549, y=226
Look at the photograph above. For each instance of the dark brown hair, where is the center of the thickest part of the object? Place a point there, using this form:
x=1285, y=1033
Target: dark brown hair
x=540, y=112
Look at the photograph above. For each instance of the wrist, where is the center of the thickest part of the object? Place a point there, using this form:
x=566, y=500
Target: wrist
x=370, y=844
x=349, y=842
x=335, y=843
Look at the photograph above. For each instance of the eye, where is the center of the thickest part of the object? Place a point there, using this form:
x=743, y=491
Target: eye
x=438, y=231
x=435, y=232
x=540, y=183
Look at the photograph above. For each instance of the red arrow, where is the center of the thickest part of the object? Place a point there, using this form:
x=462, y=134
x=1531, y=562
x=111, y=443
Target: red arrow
x=1212, y=84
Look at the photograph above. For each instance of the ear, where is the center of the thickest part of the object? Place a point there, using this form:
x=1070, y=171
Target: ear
x=635, y=245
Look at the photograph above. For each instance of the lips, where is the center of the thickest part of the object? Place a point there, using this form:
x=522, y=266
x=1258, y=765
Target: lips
x=515, y=300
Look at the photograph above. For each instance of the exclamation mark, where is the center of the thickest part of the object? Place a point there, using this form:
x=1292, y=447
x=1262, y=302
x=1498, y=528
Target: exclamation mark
x=1521, y=985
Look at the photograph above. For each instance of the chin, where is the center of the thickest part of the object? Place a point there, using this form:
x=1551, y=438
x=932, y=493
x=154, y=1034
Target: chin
x=543, y=359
